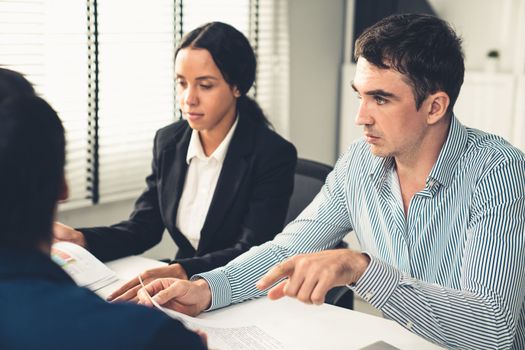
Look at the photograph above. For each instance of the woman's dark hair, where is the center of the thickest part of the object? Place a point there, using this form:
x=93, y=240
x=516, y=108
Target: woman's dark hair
x=234, y=57
x=32, y=156
x=424, y=48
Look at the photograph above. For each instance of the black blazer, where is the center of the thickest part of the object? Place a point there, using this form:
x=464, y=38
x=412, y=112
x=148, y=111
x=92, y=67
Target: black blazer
x=42, y=308
x=248, y=207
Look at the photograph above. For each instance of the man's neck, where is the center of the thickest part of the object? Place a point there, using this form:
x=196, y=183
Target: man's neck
x=414, y=167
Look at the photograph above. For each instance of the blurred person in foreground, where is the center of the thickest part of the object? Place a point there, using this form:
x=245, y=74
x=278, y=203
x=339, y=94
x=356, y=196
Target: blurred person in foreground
x=42, y=307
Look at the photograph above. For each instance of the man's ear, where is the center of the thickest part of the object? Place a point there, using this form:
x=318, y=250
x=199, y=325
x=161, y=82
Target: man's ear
x=438, y=105
x=64, y=189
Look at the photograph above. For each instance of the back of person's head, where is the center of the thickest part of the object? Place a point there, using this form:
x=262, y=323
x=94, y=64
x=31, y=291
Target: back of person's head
x=232, y=53
x=424, y=48
x=13, y=84
x=32, y=156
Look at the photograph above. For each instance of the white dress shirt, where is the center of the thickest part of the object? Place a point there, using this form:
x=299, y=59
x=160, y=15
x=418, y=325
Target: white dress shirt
x=199, y=186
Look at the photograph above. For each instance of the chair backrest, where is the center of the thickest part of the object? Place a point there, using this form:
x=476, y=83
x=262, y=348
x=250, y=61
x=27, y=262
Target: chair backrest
x=309, y=178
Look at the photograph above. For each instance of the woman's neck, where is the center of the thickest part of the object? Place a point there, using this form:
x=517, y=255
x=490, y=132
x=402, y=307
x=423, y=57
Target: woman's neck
x=211, y=139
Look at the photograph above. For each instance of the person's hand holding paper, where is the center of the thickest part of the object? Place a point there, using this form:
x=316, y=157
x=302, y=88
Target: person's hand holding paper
x=188, y=297
x=128, y=292
x=64, y=233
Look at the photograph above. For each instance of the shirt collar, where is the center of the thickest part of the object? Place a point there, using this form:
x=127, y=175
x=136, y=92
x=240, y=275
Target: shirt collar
x=453, y=148
x=195, y=146
x=443, y=170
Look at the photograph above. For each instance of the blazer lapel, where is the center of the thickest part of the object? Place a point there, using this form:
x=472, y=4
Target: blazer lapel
x=173, y=175
x=232, y=174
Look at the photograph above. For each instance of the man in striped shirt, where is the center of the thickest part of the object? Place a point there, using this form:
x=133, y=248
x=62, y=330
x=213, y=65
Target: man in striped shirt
x=438, y=208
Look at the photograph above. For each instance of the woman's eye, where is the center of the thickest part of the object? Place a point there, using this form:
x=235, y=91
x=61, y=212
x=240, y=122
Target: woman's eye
x=181, y=83
x=206, y=87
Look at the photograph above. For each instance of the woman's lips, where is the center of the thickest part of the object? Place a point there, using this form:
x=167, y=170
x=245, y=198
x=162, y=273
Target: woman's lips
x=194, y=116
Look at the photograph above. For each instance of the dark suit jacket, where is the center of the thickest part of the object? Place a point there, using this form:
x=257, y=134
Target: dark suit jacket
x=42, y=308
x=248, y=207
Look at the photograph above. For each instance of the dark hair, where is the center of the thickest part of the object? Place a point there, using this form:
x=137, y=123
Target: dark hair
x=234, y=57
x=32, y=156
x=14, y=84
x=424, y=48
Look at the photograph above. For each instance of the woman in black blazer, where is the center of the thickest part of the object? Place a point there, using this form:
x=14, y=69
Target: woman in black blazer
x=215, y=68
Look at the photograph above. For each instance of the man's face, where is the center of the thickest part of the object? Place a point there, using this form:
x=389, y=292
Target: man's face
x=387, y=111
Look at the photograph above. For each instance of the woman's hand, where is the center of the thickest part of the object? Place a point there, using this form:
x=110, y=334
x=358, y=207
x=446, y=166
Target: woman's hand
x=63, y=232
x=128, y=292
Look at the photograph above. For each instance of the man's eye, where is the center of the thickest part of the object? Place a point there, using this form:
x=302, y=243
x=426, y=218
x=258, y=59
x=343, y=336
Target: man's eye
x=380, y=100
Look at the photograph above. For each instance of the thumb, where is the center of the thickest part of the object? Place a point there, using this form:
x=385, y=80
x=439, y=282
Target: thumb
x=171, y=292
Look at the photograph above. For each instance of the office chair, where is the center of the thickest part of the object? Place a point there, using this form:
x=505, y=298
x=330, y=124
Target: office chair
x=309, y=178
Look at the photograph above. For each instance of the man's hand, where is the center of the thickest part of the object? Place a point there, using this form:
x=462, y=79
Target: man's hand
x=189, y=297
x=63, y=232
x=128, y=292
x=311, y=276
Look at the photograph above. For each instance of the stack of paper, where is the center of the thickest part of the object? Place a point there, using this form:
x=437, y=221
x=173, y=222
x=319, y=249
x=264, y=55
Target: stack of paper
x=86, y=270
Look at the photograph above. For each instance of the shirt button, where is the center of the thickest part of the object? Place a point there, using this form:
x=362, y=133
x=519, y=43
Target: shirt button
x=409, y=325
x=369, y=296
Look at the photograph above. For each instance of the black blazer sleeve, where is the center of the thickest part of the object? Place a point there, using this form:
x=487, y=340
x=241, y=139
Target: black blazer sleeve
x=260, y=205
x=140, y=232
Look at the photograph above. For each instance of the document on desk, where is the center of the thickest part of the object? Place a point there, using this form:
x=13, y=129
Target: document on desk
x=229, y=337
x=84, y=268
x=225, y=337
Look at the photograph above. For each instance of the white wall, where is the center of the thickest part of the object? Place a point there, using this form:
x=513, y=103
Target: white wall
x=316, y=51
x=485, y=25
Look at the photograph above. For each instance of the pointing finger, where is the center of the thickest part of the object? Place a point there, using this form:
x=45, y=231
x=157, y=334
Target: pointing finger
x=276, y=273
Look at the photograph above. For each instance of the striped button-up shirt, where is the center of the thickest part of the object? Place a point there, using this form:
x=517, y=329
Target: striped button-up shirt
x=452, y=270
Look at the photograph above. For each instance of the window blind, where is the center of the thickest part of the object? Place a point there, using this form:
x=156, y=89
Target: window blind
x=136, y=85
x=119, y=73
x=50, y=49
x=273, y=61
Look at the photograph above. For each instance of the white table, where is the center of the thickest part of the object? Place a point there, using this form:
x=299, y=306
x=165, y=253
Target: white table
x=297, y=325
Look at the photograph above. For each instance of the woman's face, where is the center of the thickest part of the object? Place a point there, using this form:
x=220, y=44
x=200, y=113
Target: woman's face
x=207, y=101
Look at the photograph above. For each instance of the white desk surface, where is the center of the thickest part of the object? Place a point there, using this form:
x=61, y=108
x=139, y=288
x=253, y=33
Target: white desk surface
x=297, y=325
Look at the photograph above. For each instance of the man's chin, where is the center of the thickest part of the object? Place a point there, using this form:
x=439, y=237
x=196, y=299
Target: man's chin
x=378, y=151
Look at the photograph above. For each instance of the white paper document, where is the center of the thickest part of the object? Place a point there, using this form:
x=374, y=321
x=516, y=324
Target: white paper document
x=225, y=336
x=85, y=269
x=229, y=337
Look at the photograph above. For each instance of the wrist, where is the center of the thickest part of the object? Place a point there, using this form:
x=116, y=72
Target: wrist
x=204, y=292
x=177, y=271
x=362, y=264
x=81, y=240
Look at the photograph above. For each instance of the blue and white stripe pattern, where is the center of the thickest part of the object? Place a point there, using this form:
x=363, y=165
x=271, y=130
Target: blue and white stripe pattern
x=452, y=270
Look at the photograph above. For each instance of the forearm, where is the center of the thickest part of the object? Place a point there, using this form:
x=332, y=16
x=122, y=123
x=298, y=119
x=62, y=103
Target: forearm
x=457, y=319
x=208, y=262
x=236, y=281
x=108, y=243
